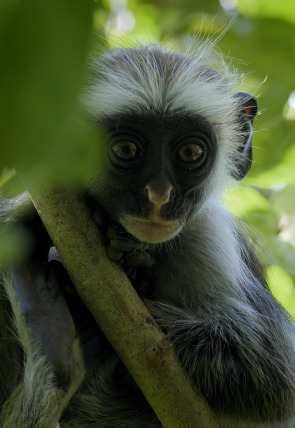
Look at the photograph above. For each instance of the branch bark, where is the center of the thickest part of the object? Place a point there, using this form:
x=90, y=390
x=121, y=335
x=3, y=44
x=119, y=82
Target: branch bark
x=120, y=313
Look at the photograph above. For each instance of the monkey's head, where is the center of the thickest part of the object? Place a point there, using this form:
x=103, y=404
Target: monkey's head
x=175, y=135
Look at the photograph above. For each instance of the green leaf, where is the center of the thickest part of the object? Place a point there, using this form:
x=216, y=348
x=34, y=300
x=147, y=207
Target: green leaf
x=43, y=48
x=283, y=288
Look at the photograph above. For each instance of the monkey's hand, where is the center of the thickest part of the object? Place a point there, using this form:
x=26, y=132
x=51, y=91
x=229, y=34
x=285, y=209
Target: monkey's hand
x=126, y=250
x=133, y=256
x=121, y=247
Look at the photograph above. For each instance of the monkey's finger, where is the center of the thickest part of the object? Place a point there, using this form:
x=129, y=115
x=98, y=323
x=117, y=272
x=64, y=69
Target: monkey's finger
x=98, y=218
x=99, y=215
x=115, y=231
x=58, y=273
x=114, y=256
x=122, y=245
x=56, y=278
x=138, y=259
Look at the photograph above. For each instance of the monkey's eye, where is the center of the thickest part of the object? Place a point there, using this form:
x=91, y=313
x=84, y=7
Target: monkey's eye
x=190, y=152
x=125, y=150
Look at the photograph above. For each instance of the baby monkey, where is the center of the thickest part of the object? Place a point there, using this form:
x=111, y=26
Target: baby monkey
x=176, y=135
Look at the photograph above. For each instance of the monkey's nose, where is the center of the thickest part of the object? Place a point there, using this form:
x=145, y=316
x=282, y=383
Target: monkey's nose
x=158, y=197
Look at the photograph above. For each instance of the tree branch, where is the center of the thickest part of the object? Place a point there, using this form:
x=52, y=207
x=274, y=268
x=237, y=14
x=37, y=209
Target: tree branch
x=120, y=313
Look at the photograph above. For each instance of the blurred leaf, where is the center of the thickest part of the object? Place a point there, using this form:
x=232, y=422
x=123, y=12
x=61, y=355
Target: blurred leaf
x=43, y=52
x=282, y=287
x=271, y=8
x=284, y=200
x=248, y=204
x=281, y=174
x=14, y=245
x=279, y=253
x=243, y=200
x=5, y=176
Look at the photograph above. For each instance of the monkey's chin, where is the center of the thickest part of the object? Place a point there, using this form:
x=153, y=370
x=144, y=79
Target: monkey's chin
x=151, y=231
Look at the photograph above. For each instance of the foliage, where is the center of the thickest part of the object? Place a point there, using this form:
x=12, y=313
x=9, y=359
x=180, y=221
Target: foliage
x=43, y=47
x=43, y=51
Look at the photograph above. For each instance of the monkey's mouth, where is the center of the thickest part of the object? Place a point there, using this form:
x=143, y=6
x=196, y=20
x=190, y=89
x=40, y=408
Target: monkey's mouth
x=151, y=230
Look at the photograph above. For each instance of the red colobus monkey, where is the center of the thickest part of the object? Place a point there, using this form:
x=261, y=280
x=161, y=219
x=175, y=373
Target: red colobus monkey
x=177, y=134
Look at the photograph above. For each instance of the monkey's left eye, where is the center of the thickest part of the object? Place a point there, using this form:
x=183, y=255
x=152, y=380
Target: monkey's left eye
x=190, y=152
x=125, y=150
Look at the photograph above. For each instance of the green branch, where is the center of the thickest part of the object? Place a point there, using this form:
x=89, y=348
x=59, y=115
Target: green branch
x=120, y=313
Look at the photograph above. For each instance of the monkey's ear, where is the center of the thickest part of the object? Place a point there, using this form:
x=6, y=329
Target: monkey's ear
x=247, y=113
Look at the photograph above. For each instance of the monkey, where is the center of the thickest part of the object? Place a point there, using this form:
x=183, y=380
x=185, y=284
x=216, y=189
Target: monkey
x=177, y=133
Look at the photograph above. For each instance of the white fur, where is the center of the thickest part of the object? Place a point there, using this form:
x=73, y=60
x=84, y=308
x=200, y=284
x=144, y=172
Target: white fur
x=153, y=79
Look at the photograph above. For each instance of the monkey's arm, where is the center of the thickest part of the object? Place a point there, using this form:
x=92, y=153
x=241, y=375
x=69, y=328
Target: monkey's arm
x=52, y=362
x=233, y=338
x=229, y=348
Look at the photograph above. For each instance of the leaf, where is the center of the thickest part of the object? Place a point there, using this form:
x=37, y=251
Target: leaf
x=283, y=288
x=43, y=48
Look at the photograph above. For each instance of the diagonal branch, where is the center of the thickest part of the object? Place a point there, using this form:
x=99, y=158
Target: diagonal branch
x=120, y=313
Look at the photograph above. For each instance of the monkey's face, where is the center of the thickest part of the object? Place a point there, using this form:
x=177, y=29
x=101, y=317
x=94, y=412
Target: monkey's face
x=156, y=173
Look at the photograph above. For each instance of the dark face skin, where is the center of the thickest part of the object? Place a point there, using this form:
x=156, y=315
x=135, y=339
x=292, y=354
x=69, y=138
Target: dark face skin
x=156, y=168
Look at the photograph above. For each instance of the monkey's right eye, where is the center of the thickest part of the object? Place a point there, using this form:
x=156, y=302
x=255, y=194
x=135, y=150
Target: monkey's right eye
x=125, y=150
x=190, y=152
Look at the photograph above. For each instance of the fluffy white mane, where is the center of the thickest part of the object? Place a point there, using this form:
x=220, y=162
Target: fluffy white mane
x=154, y=80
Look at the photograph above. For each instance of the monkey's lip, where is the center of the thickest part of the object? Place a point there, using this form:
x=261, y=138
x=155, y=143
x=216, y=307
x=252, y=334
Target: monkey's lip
x=151, y=230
